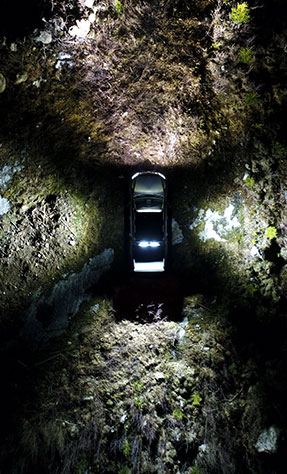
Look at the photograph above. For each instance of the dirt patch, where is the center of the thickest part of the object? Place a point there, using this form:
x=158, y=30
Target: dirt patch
x=153, y=394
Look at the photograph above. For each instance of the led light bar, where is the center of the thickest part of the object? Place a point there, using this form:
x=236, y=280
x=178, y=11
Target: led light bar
x=148, y=210
x=153, y=172
x=149, y=266
x=154, y=244
x=144, y=244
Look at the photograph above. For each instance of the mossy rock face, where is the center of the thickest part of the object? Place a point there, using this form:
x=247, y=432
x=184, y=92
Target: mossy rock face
x=56, y=222
x=187, y=373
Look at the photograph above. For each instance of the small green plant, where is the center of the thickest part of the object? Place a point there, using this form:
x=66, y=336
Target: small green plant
x=216, y=45
x=246, y=55
x=196, y=470
x=124, y=470
x=82, y=466
x=168, y=356
x=233, y=369
x=201, y=123
x=251, y=98
x=258, y=126
x=240, y=14
x=250, y=289
x=271, y=233
x=196, y=399
x=278, y=150
x=138, y=403
x=178, y=414
x=126, y=448
x=118, y=7
x=138, y=386
x=249, y=181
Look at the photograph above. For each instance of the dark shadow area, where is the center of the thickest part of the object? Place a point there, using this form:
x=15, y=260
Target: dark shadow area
x=20, y=18
x=149, y=297
x=268, y=18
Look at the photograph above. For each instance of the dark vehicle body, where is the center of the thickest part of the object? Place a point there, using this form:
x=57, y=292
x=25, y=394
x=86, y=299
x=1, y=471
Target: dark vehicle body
x=148, y=222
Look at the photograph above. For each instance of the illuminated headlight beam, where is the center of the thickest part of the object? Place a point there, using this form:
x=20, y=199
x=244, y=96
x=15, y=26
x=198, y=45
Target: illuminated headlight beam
x=145, y=244
x=149, y=266
x=153, y=172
